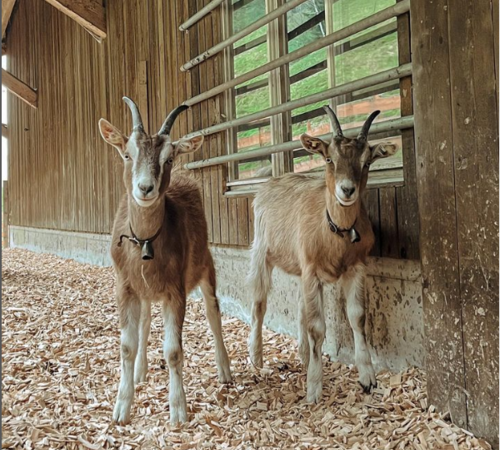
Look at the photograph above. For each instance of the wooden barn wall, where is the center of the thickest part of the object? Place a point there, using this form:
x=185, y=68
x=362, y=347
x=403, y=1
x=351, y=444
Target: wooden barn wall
x=456, y=120
x=63, y=176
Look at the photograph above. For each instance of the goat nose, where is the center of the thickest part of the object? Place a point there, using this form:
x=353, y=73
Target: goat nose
x=348, y=191
x=146, y=189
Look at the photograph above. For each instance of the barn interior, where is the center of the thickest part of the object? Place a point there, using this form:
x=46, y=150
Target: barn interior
x=255, y=74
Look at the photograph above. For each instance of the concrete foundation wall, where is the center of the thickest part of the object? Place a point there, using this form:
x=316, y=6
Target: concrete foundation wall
x=394, y=322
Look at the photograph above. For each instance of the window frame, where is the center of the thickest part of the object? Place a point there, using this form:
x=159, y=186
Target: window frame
x=381, y=175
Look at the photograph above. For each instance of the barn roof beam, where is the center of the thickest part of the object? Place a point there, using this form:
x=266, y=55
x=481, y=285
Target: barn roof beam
x=19, y=89
x=7, y=7
x=90, y=14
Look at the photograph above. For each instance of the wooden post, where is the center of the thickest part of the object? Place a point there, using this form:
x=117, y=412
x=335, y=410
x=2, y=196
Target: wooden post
x=456, y=131
x=5, y=215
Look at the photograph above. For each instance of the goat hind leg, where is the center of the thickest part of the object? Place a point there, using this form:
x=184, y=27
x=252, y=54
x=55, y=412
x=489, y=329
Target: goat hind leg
x=173, y=318
x=141, y=361
x=261, y=284
x=353, y=284
x=208, y=288
x=130, y=312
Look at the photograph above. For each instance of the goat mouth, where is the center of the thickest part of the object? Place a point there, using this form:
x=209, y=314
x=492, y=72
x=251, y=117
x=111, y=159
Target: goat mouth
x=145, y=201
x=345, y=202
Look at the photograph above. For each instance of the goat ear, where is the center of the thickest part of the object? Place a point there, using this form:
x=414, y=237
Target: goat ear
x=189, y=145
x=314, y=145
x=112, y=135
x=383, y=150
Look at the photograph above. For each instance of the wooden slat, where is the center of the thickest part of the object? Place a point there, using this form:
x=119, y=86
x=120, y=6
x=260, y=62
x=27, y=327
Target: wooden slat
x=88, y=13
x=7, y=7
x=438, y=216
x=475, y=158
x=19, y=89
x=371, y=202
x=389, y=242
x=407, y=202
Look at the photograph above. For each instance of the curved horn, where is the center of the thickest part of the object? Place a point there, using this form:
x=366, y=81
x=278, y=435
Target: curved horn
x=169, y=121
x=334, y=121
x=363, y=134
x=136, y=115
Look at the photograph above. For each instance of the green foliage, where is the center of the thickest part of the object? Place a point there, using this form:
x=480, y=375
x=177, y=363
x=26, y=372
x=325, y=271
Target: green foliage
x=354, y=64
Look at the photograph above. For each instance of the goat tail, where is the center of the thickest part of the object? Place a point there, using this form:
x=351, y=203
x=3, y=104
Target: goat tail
x=260, y=275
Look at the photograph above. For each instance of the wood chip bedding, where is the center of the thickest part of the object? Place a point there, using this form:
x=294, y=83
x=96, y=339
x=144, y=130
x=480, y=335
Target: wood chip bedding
x=60, y=372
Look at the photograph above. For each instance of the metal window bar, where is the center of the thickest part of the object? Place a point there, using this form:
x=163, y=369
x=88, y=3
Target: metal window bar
x=371, y=80
x=383, y=15
x=301, y=29
x=355, y=95
x=345, y=47
x=200, y=14
x=241, y=34
x=379, y=127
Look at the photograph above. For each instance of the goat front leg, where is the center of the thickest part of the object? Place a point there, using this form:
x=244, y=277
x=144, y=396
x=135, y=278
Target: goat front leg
x=174, y=309
x=130, y=311
x=304, y=351
x=141, y=362
x=208, y=288
x=353, y=284
x=316, y=329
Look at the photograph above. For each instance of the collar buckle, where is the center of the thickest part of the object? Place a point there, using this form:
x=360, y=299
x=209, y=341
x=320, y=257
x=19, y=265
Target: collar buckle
x=334, y=228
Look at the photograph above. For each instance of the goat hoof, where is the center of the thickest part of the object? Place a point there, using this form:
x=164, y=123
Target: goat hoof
x=367, y=388
x=225, y=376
x=314, y=394
x=178, y=415
x=121, y=413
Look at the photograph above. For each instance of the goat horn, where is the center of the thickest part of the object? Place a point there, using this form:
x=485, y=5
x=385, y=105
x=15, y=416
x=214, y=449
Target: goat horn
x=334, y=121
x=136, y=115
x=169, y=121
x=363, y=134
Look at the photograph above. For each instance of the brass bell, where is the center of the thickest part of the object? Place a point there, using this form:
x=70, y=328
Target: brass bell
x=147, y=251
x=354, y=235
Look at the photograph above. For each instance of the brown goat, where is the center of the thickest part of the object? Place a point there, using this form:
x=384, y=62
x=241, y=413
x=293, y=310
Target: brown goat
x=160, y=253
x=318, y=229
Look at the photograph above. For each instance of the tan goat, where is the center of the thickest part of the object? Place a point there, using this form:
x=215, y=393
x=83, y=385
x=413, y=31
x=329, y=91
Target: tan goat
x=160, y=253
x=318, y=229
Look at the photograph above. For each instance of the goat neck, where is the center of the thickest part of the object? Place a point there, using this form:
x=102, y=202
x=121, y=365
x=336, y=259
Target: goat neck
x=146, y=221
x=342, y=216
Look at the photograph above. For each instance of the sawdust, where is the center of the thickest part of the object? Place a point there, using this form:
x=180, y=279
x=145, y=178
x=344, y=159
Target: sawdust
x=60, y=358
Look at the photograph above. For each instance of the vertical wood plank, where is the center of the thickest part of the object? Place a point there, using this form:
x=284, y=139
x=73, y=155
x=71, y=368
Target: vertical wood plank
x=389, y=243
x=436, y=202
x=475, y=153
x=372, y=208
x=407, y=211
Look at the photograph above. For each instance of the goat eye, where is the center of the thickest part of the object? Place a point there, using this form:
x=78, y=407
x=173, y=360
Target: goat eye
x=127, y=157
x=328, y=160
x=170, y=161
x=367, y=164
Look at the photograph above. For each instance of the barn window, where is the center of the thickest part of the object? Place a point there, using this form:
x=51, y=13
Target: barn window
x=366, y=68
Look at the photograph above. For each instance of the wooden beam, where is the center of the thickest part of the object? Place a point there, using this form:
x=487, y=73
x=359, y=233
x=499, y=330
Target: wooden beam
x=88, y=13
x=5, y=131
x=19, y=88
x=7, y=7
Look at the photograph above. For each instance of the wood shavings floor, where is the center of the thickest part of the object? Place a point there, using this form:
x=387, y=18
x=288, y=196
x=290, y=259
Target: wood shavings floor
x=60, y=360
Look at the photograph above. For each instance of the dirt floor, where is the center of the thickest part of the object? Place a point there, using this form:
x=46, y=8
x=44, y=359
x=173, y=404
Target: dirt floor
x=60, y=364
